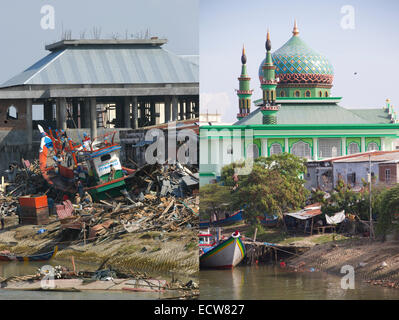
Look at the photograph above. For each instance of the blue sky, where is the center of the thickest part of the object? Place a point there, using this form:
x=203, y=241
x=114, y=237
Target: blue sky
x=23, y=39
x=370, y=49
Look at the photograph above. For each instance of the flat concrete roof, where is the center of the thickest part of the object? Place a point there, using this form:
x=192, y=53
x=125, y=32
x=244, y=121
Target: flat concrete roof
x=105, y=42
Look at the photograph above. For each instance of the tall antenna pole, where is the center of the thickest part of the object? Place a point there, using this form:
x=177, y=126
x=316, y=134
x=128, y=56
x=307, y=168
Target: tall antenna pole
x=371, y=217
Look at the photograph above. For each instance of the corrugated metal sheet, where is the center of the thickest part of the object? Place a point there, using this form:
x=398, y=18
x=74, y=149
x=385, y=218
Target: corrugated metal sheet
x=319, y=114
x=107, y=65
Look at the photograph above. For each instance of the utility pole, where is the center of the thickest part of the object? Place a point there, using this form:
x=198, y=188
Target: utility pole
x=371, y=217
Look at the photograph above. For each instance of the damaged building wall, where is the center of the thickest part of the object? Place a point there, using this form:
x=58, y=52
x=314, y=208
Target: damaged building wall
x=319, y=176
x=353, y=172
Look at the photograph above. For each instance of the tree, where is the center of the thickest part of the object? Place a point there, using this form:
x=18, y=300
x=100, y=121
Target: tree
x=387, y=206
x=274, y=186
x=344, y=198
x=212, y=196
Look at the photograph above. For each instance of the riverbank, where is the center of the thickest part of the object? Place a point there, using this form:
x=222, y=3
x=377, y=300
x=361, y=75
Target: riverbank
x=374, y=262
x=171, y=254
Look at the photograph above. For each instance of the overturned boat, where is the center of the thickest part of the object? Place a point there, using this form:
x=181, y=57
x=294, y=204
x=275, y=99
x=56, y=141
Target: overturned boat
x=92, y=165
x=224, y=255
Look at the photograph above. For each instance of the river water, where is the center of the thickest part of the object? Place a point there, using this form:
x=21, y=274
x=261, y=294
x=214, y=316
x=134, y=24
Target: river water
x=8, y=269
x=270, y=282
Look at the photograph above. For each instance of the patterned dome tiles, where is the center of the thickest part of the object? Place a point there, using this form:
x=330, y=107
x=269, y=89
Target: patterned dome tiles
x=296, y=61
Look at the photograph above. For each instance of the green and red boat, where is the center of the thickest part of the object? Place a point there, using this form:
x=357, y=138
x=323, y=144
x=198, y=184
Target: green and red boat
x=92, y=165
x=223, y=255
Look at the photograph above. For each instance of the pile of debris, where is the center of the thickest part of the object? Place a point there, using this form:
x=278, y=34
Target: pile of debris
x=21, y=180
x=158, y=198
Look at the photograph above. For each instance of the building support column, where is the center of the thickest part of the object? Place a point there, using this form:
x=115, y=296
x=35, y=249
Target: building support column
x=135, y=113
x=48, y=110
x=85, y=113
x=75, y=112
x=343, y=146
x=286, y=147
x=29, y=126
x=167, y=112
x=93, y=118
x=126, y=113
x=153, y=115
x=264, y=147
x=363, y=139
x=175, y=108
x=315, y=148
x=61, y=114
x=182, y=112
x=188, y=109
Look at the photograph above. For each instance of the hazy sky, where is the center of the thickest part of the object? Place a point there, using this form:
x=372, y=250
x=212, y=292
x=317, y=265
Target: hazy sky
x=370, y=49
x=23, y=38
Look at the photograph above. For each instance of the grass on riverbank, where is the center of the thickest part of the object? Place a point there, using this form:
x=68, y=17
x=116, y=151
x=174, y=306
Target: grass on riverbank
x=278, y=236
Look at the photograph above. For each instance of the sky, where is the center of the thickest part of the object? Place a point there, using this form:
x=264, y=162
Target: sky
x=23, y=38
x=370, y=49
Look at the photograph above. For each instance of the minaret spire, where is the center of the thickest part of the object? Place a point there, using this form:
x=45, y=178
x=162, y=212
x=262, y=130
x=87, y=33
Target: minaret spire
x=244, y=93
x=269, y=107
x=295, y=32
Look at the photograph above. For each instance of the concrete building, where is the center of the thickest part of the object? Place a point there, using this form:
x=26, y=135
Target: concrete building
x=353, y=170
x=95, y=86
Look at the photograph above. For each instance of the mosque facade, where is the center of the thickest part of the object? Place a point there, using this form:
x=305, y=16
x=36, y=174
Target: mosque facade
x=296, y=114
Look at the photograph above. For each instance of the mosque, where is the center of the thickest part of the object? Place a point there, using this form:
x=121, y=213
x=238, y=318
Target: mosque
x=297, y=114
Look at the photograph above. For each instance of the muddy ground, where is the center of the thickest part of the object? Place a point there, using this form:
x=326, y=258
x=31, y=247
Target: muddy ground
x=172, y=254
x=374, y=261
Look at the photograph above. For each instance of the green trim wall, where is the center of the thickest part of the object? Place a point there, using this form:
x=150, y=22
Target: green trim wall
x=350, y=140
x=255, y=141
x=292, y=141
x=271, y=141
x=376, y=140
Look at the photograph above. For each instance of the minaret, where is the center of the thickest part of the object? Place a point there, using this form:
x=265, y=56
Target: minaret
x=244, y=93
x=269, y=107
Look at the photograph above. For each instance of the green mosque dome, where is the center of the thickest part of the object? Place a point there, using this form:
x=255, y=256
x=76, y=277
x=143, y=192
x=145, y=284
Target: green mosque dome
x=296, y=62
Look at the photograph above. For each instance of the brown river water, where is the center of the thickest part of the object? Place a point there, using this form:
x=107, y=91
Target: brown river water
x=270, y=282
x=8, y=269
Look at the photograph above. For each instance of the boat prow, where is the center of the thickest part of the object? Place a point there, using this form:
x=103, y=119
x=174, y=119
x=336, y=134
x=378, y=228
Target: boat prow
x=225, y=255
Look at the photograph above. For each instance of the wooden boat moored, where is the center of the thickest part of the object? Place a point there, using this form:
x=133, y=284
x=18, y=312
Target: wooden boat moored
x=225, y=255
x=7, y=256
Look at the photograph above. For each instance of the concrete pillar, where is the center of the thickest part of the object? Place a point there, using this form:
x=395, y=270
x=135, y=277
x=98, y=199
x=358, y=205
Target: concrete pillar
x=182, y=102
x=196, y=107
x=315, y=148
x=174, y=108
x=264, y=147
x=61, y=114
x=29, y=128
x=286, y=147
x=188, y=109
x=48, y=110
x=343, y=146
x=363, y=144
x=135, y=115
x=153, y=113
x=85, y=113
x=75, y=112
x=168, y=110
x=126, y=112
x=142, y=113
x=93, y=118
